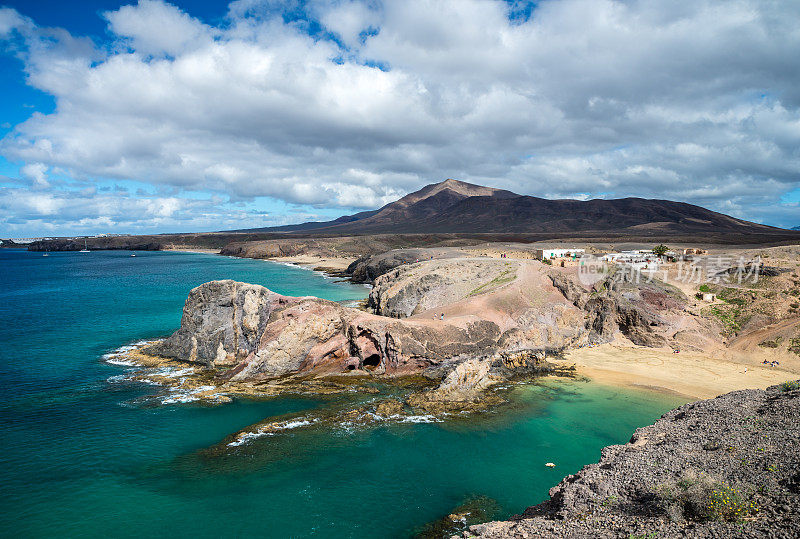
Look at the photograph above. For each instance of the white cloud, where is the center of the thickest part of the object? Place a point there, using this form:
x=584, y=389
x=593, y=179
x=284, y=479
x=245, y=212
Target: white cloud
x=692, y=101
x=10, y=20
x=37, y=174
x=348, y=19
x=156, y=28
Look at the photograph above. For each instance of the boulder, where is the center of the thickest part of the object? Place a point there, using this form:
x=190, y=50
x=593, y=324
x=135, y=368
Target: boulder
x=222, y=323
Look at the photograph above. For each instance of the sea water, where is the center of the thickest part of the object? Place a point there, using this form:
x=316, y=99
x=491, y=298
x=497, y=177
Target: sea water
x=85, y=452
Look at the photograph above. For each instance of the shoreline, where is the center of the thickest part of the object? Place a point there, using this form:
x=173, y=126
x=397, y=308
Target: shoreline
x=689, y=374
x=328, y=266
x=198, y=250
x=620, y=363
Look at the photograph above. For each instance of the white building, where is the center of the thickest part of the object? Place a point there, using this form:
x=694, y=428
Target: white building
x=551, y=254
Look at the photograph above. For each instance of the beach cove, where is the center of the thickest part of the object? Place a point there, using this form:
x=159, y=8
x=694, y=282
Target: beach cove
x=89, y=452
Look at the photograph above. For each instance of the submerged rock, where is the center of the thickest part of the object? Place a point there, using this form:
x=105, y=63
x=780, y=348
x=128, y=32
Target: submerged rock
x=473, y=510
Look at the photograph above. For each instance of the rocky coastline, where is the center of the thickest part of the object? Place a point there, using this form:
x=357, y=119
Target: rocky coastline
x=451, y=332
x=444, y=335
x=724, y=467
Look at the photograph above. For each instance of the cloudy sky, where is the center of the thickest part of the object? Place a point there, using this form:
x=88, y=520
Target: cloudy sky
x=202, y=115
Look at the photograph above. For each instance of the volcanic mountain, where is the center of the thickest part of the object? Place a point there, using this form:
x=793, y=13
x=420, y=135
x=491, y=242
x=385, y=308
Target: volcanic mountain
x=456, y=207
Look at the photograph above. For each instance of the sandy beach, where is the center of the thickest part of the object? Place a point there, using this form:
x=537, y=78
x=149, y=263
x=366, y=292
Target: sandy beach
x=695, y=375
x=316, y=262
x=309, y=261
x=181, y=249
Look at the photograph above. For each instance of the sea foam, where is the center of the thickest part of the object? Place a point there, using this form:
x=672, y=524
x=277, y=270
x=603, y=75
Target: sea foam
x=285, y=425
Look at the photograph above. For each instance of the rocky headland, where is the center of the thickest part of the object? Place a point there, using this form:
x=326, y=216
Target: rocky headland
x=724, y=467
x=450, y=331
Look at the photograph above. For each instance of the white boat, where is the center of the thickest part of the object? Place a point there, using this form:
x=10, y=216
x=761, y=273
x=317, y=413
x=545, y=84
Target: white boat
x=85, y=248
x=133, y=254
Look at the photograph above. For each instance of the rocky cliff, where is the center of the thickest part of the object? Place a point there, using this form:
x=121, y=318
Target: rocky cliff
x=649, y=313
x=259, y=334
x=425, y=315
x=725, y=467
x=414, y=289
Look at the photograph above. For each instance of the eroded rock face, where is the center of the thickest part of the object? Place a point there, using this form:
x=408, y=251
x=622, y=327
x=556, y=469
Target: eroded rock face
x=649, y=314
x=306, y=335
x=222, y=323
x=260, y=334
x=369, y=267
x=412, y=289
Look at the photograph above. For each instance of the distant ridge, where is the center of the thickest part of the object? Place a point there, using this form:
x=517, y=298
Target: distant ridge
x=457, y=207
x=796, y=228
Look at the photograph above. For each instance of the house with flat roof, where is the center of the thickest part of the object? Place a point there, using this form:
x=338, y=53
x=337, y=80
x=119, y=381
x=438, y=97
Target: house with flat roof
x=552, y=254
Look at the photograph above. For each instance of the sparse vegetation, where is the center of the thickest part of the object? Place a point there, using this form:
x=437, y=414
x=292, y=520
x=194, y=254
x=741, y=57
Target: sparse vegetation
x=731, y=316
x=774, y=343
x=700, y=497
x=660, y=250
x=735, y=296
x=506, y=277
x=792, y=385
x=609, y=501
x=728, y=503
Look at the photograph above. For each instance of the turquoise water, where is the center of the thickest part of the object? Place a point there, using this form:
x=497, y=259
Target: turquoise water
x=85, y=456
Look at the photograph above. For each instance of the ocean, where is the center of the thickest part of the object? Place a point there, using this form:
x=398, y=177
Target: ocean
x=86, y=452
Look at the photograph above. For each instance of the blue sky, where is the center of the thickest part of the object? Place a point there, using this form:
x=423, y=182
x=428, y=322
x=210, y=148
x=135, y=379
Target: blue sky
x=140, y=117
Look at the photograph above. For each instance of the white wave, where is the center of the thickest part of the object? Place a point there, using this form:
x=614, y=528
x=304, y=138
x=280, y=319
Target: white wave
x=247, y=437
x=182, y=396
x=172, y=372
x=294, y=424
x=400, y=418
x=113, y=360
x=119, y=378
x=150, y=381
x=286, y=425
x=115, y=356
x=420, y=419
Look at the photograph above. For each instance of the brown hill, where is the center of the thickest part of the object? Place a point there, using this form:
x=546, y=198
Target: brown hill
x=458, y=207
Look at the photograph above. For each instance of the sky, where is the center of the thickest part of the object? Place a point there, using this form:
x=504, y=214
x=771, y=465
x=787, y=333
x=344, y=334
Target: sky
x=150, y=117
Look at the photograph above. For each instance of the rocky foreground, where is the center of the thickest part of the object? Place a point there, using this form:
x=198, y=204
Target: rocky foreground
x=725, y=467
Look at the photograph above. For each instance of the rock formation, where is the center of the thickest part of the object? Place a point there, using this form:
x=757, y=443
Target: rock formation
x=725, y=467
x=648, y=313
x=493, y=307
x=414, y=289
x=260, y=334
